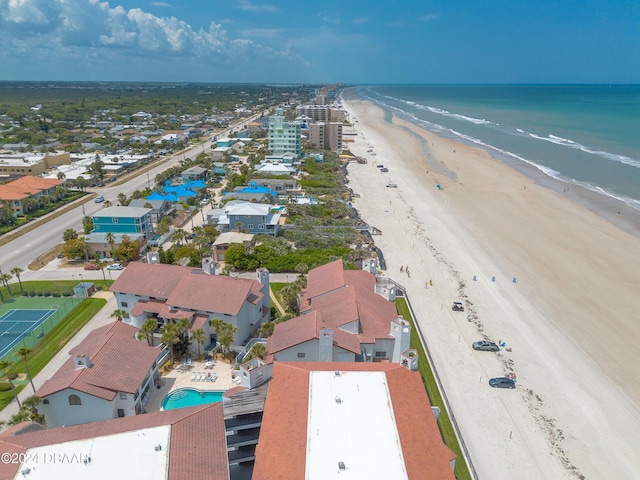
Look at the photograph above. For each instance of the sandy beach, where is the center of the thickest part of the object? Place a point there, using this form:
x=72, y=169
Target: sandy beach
x=537, y=270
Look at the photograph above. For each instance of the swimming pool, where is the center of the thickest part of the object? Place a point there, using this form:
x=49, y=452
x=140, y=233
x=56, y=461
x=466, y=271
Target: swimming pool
x=189, y=397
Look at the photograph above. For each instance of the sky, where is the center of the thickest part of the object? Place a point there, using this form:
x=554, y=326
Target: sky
x=349, y=41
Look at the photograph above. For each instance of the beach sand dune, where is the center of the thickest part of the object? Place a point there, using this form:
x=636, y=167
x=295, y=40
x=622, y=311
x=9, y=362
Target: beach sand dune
x=554, y=281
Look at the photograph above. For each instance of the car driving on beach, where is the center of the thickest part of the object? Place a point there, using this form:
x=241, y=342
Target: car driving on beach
x=486, y=346
x=502, y=382
x=457, y=307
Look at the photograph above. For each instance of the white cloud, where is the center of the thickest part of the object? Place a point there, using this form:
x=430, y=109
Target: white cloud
x=360, y=20
x=252, y=7
x=429, y=17
x=262, y=32
x=162, y=4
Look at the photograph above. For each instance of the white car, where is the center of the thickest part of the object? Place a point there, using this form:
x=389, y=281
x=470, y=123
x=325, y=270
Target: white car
x=115, y=266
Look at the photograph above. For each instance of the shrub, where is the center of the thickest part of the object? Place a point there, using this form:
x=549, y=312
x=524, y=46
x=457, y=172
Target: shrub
x=5, y=387
x=32, y=293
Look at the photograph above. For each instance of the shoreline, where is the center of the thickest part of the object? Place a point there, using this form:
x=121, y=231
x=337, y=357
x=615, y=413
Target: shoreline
x=606, y=205
x=573, y=301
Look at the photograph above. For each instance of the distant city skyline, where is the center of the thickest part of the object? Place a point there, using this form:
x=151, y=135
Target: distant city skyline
x=355, y=42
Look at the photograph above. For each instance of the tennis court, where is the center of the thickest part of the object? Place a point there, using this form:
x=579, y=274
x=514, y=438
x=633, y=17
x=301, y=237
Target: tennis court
x=25, y=321
x=17, y=324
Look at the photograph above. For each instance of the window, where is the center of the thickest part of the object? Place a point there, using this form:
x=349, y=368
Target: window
x=114, y=220
x=74, y=400
x=301, y=354
x=124, y=304
x=120, y=413
x=250, y=226
x=123, y=396
x=260, y=227
x=381, y=354
x=45, y=401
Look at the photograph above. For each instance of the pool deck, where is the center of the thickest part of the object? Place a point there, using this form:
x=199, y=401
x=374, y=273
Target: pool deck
x=181, y=378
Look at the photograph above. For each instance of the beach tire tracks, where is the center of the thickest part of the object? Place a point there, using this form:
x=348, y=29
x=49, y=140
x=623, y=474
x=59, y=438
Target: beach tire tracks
x=534, y=401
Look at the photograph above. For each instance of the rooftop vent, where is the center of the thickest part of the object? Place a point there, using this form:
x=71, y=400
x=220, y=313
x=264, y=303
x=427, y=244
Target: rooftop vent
x=338, y=399
x=336, y=373
x=341, y=466
x=158, y=447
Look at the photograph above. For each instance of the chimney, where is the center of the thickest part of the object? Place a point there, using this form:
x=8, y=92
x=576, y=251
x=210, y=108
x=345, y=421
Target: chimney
x=209, y=266
x=82, y=361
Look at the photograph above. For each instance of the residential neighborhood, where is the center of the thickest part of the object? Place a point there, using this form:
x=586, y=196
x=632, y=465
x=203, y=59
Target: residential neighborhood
x=201, y=339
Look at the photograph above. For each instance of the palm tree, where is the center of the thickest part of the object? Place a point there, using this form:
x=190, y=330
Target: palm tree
x=102, y=264
x=4, y=278
x=23, y=352
x=122, y=199
x=170, y=334
x=30, y=405
x=199, y=337
x=119, y=314
x=146, y=330
x=4, y=367
x=17, y=271
x=110, y=239
x=258, y=350
x=225, y=332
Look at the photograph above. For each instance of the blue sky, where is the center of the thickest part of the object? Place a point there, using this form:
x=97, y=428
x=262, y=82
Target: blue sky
x=352, y=41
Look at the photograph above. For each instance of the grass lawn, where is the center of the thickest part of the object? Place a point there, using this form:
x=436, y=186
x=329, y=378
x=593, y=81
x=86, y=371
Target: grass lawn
x=53, y=342
x=444, y=422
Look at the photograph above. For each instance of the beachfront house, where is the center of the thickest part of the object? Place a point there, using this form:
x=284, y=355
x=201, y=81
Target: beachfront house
x=109, y=374
x=345, y=316
x=256, y=218
x=169, y=293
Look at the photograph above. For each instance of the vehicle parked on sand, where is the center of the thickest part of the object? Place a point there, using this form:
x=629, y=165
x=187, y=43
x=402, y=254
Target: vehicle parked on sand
x=392, y=185
x=457, y=307
x=502, y=382
x=485, y=345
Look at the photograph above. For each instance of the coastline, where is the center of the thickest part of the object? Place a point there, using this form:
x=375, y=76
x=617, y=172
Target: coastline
x=576, y=411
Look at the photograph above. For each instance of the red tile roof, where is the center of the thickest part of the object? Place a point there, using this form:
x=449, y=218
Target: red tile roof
x=281, y=451
x=188, y=288
x=337, y=298
x=119, y=364
x=197, y=448
x=26, y=186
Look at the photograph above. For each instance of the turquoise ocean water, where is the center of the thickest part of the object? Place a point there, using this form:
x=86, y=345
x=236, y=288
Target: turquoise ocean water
x=578, y=134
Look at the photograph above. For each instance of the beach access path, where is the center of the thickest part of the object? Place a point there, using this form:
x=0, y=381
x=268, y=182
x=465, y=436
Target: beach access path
x=538, y=271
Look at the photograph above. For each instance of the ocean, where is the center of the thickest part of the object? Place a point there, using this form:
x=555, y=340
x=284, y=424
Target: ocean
x=586, y=135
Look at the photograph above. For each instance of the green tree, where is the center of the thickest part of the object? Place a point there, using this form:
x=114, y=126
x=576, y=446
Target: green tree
x=226, y=333
x=22, y=352
x=30, y=406
x=81, y=183
x=199, y=336
x=164, y=225
x=128, y=249
x=170, y=335
x=70, y=234
x=119, y=314
x=258, y=350
x=4, y=367
x=75, y=248
x=122, y=199
x=146, y=330
x=4, y=278
x=87, y=225
x=17, y=271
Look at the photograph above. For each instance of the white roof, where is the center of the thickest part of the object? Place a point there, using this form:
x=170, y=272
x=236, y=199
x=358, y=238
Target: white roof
x=276, y=167
x=140, y=459
x=351, y=420
x=248, y=208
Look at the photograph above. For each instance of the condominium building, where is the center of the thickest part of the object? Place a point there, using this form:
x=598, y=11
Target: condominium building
x=326, y=135
x=284, y=136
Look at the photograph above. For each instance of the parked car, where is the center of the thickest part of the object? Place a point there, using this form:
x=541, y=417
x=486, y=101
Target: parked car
x=384, y=169
x=392, y=185
x=502, y=382
x=99, y=199
x=91, y=266
x=115, y=266
x=457, y=307
x=60, y=255
x=485, y=345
